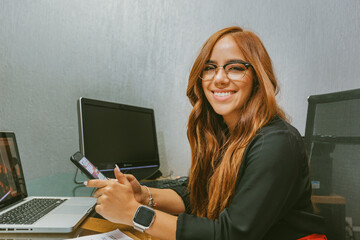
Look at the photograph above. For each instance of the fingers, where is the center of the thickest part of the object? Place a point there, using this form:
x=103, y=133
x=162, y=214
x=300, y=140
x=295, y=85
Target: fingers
x=130, y=177
x=99, y=209
x=97, y=183
x=99, y=192
x=121, y=177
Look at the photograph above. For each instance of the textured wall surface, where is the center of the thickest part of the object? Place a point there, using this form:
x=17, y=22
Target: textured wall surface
x=140, y=52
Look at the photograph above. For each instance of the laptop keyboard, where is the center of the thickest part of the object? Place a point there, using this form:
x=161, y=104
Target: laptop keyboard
x=30, y=211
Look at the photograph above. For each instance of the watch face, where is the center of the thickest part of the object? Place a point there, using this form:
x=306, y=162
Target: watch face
x=144, y=216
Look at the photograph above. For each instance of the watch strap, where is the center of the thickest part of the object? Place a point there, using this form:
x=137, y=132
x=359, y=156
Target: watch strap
x=139, y=227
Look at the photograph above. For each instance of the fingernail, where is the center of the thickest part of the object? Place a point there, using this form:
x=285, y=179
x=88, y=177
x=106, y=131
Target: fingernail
x=85, y=183
x=117, y=167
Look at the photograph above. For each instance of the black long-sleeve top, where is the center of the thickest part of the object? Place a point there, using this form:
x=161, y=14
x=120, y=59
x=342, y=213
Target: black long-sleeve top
x=272, y=197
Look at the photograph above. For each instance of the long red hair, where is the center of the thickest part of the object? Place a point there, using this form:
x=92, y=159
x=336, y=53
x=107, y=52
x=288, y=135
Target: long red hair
x=216, y=155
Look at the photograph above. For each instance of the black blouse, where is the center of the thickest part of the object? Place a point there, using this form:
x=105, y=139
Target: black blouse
x=272, y=198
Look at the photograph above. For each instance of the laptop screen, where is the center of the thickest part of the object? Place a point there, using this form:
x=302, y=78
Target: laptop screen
x=12, y=183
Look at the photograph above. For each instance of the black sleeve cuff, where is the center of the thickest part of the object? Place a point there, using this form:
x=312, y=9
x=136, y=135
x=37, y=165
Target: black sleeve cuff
x=183, y=192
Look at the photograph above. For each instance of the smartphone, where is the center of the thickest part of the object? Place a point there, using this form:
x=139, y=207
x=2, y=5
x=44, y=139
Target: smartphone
x=86, y=166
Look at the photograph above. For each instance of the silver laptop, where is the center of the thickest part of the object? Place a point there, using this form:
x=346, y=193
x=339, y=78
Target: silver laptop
x=20, y=213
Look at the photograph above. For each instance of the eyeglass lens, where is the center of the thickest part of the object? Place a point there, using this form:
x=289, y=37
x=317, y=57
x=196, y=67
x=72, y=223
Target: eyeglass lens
x=234, y=71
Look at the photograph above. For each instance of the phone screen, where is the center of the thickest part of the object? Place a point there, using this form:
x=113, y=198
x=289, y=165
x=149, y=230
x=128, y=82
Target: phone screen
x=88, y=166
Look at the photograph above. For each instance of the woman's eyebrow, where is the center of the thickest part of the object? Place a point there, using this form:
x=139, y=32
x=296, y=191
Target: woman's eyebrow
x=210, y=62
x=236, y=61
x=229, y=61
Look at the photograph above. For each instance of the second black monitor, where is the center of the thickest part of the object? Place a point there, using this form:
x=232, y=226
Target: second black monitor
x=114, y=133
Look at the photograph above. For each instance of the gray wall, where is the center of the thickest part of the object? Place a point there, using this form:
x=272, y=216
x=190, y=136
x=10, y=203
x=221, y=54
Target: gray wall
x=140, y=52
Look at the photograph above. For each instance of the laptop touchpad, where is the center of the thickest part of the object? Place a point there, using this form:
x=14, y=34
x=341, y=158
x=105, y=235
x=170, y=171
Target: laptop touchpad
x=71, y=210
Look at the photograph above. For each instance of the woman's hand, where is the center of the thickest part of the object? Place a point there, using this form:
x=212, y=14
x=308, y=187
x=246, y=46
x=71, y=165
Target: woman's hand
x=140, y=193
x=115, y=199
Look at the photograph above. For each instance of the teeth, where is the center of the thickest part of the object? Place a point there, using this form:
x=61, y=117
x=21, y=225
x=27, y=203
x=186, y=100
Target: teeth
x=222, y=94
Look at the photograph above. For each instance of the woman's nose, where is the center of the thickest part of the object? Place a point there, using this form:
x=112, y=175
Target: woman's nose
x=221, y=77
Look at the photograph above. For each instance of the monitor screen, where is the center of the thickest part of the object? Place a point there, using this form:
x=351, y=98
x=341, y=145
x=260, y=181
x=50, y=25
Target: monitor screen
x=114, y=133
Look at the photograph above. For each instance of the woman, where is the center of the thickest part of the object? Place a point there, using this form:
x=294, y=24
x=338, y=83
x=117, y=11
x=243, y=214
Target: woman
x=249, y=176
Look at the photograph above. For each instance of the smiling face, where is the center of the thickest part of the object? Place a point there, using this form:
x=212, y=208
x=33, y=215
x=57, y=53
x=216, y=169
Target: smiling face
x=227, y=96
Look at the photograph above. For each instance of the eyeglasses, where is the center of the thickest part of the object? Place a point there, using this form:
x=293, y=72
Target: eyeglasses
x=233, y=70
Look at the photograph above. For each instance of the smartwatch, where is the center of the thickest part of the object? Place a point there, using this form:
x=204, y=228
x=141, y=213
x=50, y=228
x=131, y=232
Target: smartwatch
x=143, y=218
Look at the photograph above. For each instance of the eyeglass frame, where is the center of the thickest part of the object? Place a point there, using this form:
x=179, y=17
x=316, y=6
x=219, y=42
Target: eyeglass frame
x=246, y=64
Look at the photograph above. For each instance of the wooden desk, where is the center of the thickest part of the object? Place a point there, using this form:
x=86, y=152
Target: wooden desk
x=332, y=208
x=96, y=225
x=331, y=199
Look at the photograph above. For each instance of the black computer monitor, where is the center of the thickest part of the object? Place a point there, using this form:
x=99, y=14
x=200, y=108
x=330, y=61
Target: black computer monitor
x=114, y=133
